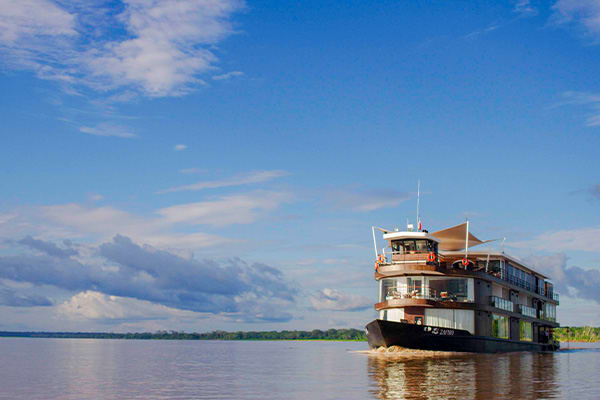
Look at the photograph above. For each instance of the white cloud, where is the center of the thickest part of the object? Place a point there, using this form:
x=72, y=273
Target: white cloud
x=157, y=48
x=246, y=179
x=363, y=200
x=583, y=239
x=585, y=13
x=227, y=75
x=179, y=147
x=27, y=19
x=525, y=8
x=99, y=306
x=234, y=209
x=106, y=129
x=590, y=100
x=168, y=227
x=334, y=300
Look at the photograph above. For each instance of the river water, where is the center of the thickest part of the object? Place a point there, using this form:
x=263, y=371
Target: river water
x=136, y=369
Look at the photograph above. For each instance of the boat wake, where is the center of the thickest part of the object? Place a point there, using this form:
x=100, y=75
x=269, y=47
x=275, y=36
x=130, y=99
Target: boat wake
x=403, y=352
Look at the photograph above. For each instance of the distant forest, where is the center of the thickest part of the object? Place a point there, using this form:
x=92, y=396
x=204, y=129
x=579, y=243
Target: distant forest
x=573, y=334
x=316, y=334
x=577, y=334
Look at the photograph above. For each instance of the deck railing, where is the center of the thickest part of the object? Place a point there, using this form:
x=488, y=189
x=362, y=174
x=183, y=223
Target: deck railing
x=529, y=286
x=502, y=304
x=404, y=292
x=528, y=311
x=412, y=257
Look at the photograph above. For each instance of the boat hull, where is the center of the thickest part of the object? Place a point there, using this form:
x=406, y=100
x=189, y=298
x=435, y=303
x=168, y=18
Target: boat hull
x=423, y=337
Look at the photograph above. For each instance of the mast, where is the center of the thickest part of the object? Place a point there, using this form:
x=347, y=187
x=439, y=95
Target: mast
x=374, y=241
x=467, y=242
x=418, y=201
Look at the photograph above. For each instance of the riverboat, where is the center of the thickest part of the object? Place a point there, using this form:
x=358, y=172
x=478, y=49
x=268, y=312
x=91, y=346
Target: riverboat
x=435, y=293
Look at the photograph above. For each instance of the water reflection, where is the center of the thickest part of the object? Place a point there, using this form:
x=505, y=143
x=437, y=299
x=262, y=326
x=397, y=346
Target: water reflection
x=469, y=376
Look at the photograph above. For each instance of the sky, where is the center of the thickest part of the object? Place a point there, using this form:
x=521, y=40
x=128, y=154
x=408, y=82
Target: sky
x=201, y=164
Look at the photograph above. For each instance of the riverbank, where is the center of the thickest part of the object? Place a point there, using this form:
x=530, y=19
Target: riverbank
x=563, y=334
x=316, y=334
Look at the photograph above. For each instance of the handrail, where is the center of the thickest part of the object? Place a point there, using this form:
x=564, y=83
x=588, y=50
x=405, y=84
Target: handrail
x=403, y=257
x=528, y=311
x=404, y=292
x=502, y=304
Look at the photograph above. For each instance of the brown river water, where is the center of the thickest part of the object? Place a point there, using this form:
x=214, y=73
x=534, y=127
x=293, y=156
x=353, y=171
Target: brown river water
x=136, y=369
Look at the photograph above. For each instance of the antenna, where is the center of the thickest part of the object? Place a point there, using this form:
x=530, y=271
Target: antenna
x=418, y=201
x=467, y=242
x=374, y=241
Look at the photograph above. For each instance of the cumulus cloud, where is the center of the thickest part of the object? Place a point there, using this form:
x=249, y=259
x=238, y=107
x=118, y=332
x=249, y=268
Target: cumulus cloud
x=245, y=179
x=364, y=199
x=27, y=19
x=334, y=300
x=48, y=248
x=585, y=282
x=122, y=268
x=176, y=227
x=157, y=48
x=114, y=309
x=10, y=297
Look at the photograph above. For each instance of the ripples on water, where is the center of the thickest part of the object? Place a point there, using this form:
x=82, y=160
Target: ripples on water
x=120, y=369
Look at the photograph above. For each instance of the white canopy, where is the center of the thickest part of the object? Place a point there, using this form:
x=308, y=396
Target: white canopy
x=454, y=238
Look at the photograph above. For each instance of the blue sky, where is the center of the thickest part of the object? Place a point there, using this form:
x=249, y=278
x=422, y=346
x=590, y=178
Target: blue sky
x=205, y=165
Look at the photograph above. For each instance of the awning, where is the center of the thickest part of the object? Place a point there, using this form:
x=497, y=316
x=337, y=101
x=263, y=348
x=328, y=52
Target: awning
x=454, y=238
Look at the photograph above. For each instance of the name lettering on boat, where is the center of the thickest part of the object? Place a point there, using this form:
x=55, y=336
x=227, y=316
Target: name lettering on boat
x=438, y=331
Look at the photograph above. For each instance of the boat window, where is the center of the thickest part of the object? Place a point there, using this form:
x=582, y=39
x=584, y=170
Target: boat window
x=525, y=331
x=450, y=289
x=408, y=246
x=549, y=312
x=422, y=246
x=500, y=326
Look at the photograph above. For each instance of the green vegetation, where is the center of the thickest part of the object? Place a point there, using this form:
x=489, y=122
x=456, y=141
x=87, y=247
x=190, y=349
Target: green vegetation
x=577, y=334
x=316, y=334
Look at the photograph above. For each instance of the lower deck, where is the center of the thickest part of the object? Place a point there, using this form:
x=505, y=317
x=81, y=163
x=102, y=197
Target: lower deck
x=476, y=322
x=424, y=337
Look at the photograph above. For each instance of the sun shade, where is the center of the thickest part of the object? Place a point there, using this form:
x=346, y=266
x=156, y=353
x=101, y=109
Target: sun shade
x=454, y=238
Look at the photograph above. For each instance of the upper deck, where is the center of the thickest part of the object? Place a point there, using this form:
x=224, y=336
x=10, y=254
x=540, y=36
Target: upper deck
x=440, y=253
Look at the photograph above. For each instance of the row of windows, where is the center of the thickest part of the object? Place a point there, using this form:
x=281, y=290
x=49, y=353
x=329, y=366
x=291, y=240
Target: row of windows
x=549, y=312
x=428, y=287
x=406, y=246
x=500, y=326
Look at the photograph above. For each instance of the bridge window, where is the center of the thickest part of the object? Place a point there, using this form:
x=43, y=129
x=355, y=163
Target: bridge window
x=411, y=246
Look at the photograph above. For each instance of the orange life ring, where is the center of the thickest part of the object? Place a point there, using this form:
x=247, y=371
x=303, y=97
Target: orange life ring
x=376, y=266
x=380, y=259
x=431, y=257
x=465, y=262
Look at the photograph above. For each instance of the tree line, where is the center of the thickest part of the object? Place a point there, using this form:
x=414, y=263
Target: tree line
x=563, y=334
x=316, y=334
x=577, y=334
